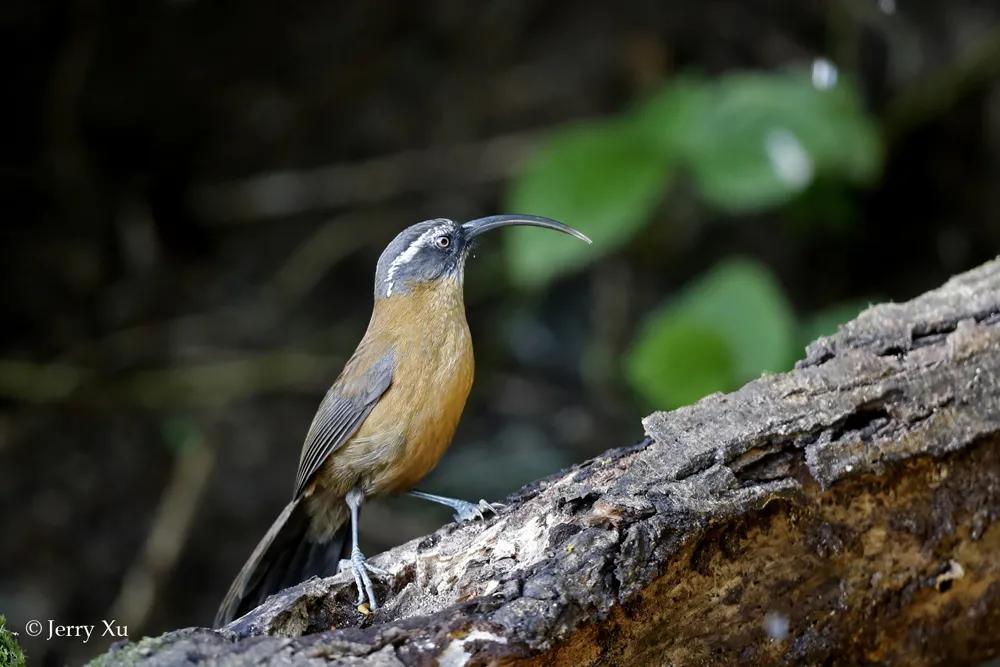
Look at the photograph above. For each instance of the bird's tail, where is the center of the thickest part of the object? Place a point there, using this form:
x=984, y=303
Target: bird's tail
x=284, y=557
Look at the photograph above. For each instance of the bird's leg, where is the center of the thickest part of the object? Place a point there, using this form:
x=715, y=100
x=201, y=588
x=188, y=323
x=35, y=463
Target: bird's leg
x=359, y=565
x=464, y=510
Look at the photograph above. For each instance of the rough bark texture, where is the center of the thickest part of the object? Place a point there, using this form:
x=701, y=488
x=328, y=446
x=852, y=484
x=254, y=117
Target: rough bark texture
x=843, y=512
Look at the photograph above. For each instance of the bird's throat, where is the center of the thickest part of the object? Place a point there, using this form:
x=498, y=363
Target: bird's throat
x=436, y=306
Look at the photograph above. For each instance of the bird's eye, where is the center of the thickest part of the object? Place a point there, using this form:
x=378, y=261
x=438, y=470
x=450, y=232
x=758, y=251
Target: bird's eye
x=442, y=241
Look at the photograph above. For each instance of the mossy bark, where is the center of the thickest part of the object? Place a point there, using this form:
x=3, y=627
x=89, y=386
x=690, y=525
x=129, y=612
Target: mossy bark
x=11, y=654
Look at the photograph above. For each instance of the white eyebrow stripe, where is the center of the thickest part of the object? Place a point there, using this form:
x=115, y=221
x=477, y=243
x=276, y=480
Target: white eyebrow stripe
x=408, y=254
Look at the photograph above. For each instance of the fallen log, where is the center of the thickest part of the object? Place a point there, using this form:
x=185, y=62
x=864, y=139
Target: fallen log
x=843, y=512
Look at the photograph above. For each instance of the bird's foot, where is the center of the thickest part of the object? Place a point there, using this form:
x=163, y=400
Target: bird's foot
x=466, y=511
x=360, y=567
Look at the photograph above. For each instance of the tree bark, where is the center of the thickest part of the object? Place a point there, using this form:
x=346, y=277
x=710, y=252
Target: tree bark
x=843, y=512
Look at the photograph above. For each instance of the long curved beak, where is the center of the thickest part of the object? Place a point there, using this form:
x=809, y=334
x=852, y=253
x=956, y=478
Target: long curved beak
x=474, y=228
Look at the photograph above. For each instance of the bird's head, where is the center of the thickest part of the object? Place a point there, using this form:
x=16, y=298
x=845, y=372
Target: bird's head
x=437, y=249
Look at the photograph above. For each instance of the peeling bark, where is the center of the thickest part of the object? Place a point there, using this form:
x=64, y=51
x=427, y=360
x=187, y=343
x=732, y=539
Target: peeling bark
x=843, y=512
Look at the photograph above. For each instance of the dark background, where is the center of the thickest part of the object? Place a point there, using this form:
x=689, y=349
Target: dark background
x=195, y=195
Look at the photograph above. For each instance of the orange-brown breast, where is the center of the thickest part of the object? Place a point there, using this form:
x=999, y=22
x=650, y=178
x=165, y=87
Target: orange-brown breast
x=414, y=421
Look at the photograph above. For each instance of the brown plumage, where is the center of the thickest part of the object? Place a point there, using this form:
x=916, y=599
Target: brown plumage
x=411, y=426
x=386, y=420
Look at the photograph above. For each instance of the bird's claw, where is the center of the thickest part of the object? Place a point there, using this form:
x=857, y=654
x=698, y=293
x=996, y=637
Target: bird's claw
x=470, y=511
x=360, y=567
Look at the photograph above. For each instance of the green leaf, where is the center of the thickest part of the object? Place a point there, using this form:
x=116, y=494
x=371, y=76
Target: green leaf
x=601, y=177
x=742, y=300
x=737, y=305
x=677, y=361
x=668, y=116
x=756, y=140
x=749, y=141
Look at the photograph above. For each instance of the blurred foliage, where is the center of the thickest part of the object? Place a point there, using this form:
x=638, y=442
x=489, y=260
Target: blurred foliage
x=678, y=360
x=725, y=328
x=605, y=177
x=757, y=140
x=11, y=654
x=748, y=142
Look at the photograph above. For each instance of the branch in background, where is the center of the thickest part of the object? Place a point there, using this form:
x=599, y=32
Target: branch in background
x=214, y=383
x=328, y=244
x=219, y=383
x=283, y=194
x=40, y=383
x=170, y=527
x=191, y=385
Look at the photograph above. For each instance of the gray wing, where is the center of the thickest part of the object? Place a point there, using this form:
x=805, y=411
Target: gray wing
x=349, y=401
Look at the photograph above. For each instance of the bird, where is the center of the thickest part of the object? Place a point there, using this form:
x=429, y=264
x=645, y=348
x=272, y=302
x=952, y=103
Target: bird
x=386, y=420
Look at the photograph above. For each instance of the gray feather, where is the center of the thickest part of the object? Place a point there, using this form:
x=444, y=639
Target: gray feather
x=341, y=413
